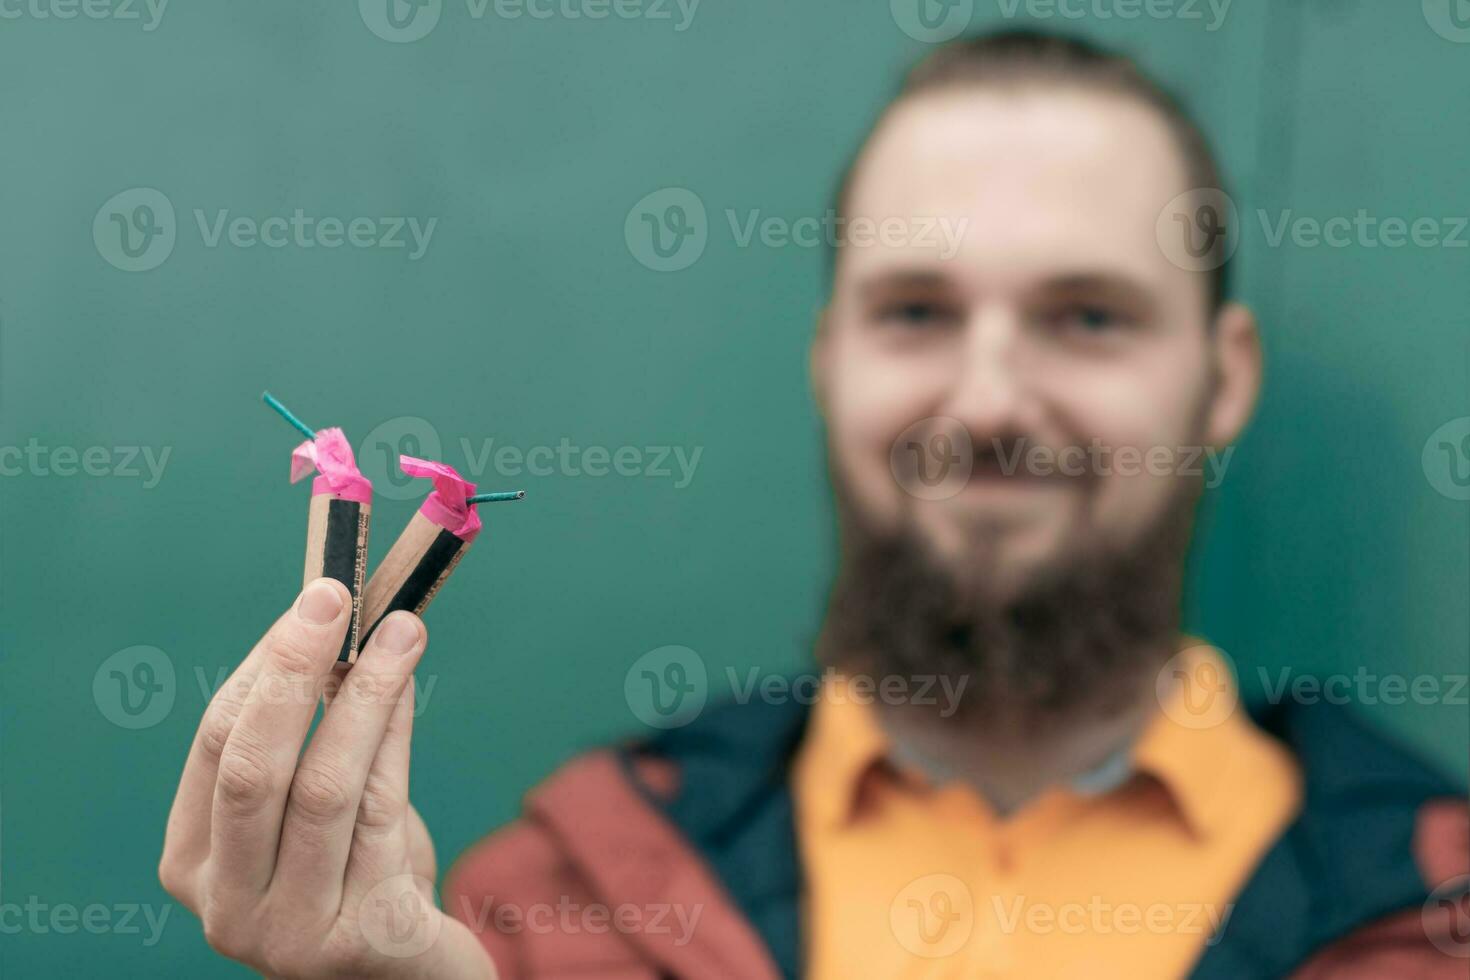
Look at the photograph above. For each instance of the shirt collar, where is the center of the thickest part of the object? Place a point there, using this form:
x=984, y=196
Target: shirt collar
x=1187, y=754
x=1191, y=744
x=844, y=744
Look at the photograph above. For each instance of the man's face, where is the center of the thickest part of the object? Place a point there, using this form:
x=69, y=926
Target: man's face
x=1059, y=322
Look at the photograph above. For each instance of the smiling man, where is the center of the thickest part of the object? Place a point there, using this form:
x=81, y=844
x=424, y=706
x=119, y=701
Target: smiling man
x=1093, y=803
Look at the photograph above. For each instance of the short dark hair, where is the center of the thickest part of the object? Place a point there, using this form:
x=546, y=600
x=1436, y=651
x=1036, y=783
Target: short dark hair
x=1026, y=58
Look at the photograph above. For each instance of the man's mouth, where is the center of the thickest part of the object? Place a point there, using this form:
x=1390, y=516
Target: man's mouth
x=994, y=471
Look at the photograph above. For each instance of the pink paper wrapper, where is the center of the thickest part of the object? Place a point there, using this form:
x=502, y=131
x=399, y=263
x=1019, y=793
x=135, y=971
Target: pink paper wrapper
x=445, y=505
x=330, y=455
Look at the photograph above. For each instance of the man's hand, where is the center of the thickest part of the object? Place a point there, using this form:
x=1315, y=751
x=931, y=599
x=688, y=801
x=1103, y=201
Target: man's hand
x=312, y=863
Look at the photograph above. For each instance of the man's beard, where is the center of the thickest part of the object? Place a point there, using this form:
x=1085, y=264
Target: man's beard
x=1079, y=641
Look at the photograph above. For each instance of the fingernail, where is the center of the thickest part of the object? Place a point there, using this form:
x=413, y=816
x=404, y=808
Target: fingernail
x=397, y=635
x=320, y=603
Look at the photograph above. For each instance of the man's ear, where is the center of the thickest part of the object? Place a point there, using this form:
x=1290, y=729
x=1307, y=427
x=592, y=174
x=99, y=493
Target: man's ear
x=1238, y=369
x=818, y=358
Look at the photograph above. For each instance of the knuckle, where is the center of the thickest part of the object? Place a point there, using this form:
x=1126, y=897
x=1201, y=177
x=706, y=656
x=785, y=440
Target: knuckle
x=294, y=652
x=372, y=689
x=173, y=878
x=382, y=805
x=245, y=780
x=225, y=937
x=235, y=691
x=320, y=794
x=214, y=730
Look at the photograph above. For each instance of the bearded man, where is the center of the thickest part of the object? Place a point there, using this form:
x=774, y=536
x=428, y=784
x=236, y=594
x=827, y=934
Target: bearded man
x=1009, y=431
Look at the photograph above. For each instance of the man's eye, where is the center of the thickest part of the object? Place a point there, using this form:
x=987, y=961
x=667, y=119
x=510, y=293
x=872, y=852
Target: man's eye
x=915, y=313
x=1089, y=319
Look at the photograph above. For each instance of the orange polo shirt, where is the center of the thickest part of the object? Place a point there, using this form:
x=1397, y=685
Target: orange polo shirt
x=906, y=879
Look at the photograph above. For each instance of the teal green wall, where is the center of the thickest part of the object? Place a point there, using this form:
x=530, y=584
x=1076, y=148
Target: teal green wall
x=529, y=321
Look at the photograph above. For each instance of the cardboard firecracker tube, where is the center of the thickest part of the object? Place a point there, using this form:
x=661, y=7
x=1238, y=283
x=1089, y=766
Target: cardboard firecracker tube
x=337, y=522
x=429, y=548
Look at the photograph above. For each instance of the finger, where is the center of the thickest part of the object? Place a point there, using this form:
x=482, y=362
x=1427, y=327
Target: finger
x=316, y=836
x=259, y=757
x=381, y=834
x=186, y=841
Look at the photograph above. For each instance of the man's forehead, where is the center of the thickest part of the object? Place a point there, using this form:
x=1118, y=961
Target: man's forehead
x=1040, y=175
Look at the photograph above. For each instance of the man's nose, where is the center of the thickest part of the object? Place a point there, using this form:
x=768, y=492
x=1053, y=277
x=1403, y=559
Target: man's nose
x=991, y=392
